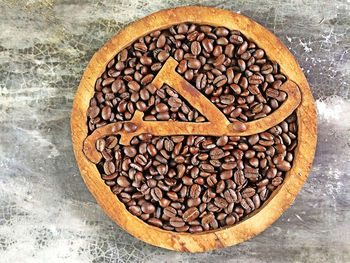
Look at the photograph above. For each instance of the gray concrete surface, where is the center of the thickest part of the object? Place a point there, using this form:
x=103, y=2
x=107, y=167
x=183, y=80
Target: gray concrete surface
x=46, y=212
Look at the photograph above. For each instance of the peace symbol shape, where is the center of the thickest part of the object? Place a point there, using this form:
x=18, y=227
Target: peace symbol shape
x=217, y=124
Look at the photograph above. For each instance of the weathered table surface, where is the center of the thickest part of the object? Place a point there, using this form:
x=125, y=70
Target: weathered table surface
x=46, y=212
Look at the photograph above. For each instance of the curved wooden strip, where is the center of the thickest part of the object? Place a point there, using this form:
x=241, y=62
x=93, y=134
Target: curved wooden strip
x=195, y=98
x=215, y=127
x=263, y=124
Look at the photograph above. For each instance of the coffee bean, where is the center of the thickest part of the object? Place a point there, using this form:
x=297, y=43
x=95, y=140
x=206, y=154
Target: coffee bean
x=123, y=181
x=133, y=85
x=222, y=141
x=236, y=39
x=130, y=151
x=135, y=210
x=226, y=174
x=139, y=47
x=219, y=60
x=164, y=202
x=146, y=60
x=176, y=221
x=242, y=48
x=220, y=202
x=156, y=194
x=208, y=45
x=190, y=214
x=109, y=167
x=155, y=221
x=284, y=166
x=195, y=191
x=161, y=41
x=248, y=192
x=100, y=145
x=192, y=202
x=175, y=102
x=111, y=142
x=196, y=48
x=170, y=211
x=220, y=187
x=194, y=63
x=161, y=107
x=130, y=127
x=229, y=165
x=239, y=126
x=227, y=99
x=216, y=153
x=219, y=81
x=182, y=68
x=93, y=112
x=201, y=81
x=230, y=220
x=230, y=195
x=163, y=55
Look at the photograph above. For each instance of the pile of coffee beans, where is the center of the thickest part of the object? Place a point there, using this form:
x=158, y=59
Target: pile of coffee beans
x=192, y=183
x=169, y=105
x=229, y=69
x=195, y=183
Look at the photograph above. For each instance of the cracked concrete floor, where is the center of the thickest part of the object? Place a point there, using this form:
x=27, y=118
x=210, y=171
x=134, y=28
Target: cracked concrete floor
x=46, y=211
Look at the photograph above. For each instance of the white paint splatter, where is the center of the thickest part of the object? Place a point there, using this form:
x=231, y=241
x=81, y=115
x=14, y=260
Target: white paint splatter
x=334, y=110
x=307, y=49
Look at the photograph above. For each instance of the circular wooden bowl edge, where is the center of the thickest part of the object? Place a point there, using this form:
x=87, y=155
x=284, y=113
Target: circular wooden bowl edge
x=281, y=197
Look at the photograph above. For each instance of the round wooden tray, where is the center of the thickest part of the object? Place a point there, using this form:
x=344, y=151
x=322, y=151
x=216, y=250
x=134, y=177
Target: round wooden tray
x=280, y=199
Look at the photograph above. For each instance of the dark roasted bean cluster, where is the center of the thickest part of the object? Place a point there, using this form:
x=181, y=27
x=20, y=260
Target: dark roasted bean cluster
x=196, y=183
x=230, y=70
x=192, y=183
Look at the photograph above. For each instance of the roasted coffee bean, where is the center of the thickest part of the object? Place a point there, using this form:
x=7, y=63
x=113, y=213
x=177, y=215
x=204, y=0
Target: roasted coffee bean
x=226, y=174
x=284, y=166
x=111, y=142
x=220, y=202
x=176, y=221
x=135, y=210
x=93, y=111
x=100, y=145
x=175, y=102
x=170, y=211
x=133, y=85
x=130, y=151
x=109, y=167
x=195, y=191
x=190, y=214
x=155, y=221
x=195, y=48
x=220, y=187
x=156, y=194
x=123, y=181
x=194, y=64
x=216, y=153
x=148, y=208
x=230, y=195
x=192, y=202
x=208, y=45
x=248, y=192
x=130, y=127
x=222, y=141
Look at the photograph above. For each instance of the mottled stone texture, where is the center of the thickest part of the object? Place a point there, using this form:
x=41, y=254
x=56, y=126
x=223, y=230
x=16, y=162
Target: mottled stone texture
x=46, y=212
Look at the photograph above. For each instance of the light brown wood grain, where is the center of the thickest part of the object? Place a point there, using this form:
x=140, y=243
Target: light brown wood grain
x=280, y=199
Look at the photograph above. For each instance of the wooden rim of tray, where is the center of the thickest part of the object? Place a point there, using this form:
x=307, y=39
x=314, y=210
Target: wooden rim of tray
x=280, y=199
